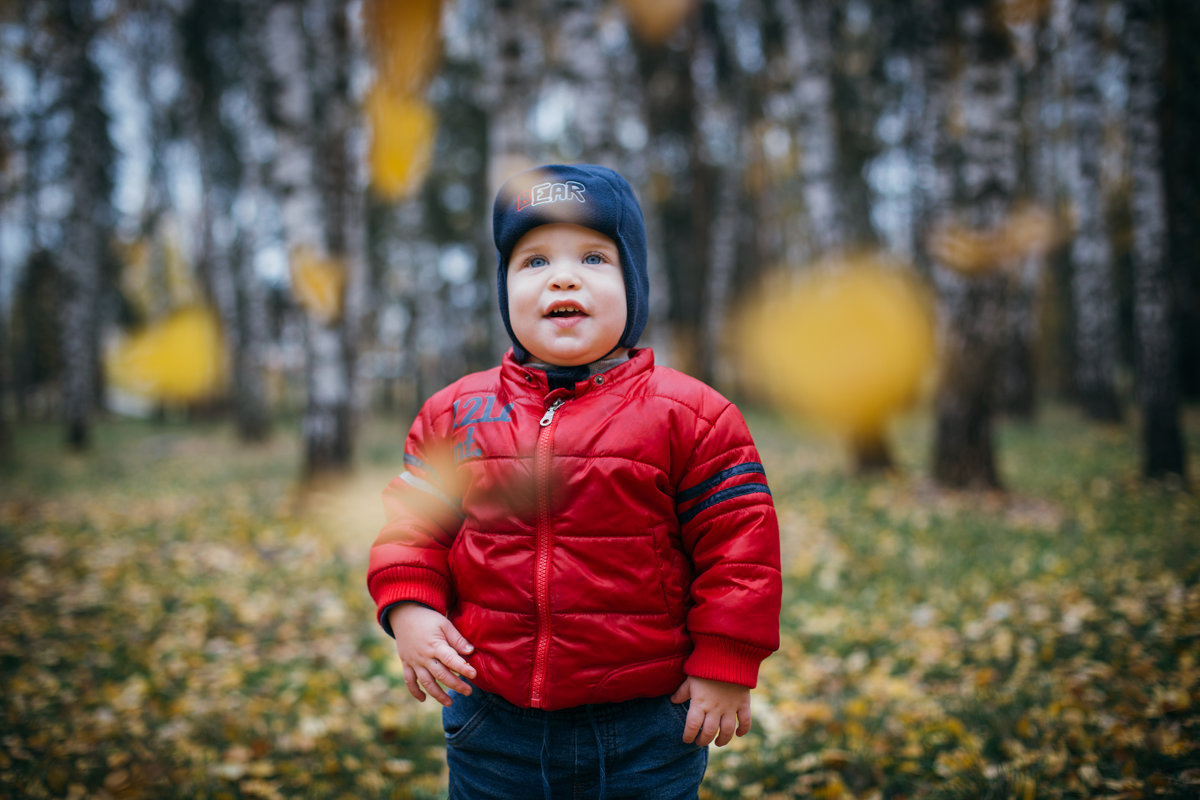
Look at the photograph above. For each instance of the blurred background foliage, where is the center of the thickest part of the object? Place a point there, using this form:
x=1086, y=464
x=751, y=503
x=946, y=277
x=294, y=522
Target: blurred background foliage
x=318, y=176
x=242, y=240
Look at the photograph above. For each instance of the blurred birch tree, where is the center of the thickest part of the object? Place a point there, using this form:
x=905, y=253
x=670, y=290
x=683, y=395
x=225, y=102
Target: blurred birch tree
x=223, y=110
x=89, y=224
x=318, y=177
x=972, y=295
x=1093, y=281
x=760, y=134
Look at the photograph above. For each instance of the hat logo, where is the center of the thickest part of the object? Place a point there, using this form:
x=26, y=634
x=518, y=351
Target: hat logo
x=551, y=192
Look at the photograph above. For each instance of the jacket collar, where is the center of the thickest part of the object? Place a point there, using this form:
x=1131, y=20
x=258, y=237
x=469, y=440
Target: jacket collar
x=520, y=377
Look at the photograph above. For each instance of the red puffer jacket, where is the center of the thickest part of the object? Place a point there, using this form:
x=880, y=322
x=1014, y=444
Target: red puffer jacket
x=595, y=545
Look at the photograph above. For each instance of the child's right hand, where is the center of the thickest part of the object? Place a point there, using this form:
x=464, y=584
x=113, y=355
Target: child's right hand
x=432, y=650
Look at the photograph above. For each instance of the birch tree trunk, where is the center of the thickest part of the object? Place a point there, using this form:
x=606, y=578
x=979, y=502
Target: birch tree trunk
x=973, y=305
x=1093, y=281
x=509, y=82
x=680, y=184
x=322, y=209
x=724, y=102
x=456, y=280
x=332, y=414
x=582, y=67
x=807, y=33
x=250, y=323
x=1163, y=451
x=935, y=153
x=858, y=98
x=212, y=32
x=89, y=223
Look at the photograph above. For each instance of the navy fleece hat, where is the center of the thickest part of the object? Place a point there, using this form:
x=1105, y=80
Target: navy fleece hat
x=583, y=194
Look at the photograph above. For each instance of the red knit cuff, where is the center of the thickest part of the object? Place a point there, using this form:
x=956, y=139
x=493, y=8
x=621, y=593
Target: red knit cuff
x=721, y=659
x=404, y=584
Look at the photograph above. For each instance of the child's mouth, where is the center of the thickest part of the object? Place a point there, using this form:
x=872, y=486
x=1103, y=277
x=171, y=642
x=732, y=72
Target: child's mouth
x=566, y=311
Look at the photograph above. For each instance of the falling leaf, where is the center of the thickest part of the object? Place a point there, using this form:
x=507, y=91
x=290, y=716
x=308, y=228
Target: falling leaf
x=178, y=360
x=318, y=284
x=405, y=42
x=1026, y=232
x=655, y=20
x=402, y=137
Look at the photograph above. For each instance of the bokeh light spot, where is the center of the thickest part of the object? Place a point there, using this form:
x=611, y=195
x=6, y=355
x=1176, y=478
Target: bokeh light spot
x=846, y=344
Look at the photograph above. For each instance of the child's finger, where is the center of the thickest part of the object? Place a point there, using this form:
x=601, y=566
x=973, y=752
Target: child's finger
x=429, y=683
x=712, y=726
x=410, y=680
x=728, y=725
x=691, y=727
x=457, y=640
x=455, y=663
x=444, y=674
x=743, y=721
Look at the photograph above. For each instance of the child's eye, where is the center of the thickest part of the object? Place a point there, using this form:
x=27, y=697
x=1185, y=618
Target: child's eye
x=594, y=258
x=537, y=261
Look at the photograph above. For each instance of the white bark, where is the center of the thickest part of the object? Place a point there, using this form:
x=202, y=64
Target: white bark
x=510, y=85
x=807, y=103
x=932, y=75
x=89, y=223
x=322, y=209
x=722, y=120
x=1093, y=282
x=582, y=73
x=293, y=169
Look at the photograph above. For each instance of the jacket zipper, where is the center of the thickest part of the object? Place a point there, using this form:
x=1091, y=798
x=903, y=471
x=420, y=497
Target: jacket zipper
x=542, y=569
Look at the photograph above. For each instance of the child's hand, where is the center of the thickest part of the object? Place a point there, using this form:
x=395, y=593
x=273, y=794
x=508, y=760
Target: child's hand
x=718, y=710
x=432, y=650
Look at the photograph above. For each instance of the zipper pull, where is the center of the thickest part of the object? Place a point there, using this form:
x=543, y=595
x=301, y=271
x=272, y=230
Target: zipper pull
x=548, y=417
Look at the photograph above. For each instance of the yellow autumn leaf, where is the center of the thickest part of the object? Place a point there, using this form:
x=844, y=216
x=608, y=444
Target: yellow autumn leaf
x=848, y=344
x=404, y=42
x=179, y=359
x=655, y=20
x=318, y=284
x=402, y=136
x=972, y=251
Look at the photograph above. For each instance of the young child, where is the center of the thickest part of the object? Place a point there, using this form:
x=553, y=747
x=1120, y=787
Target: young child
x=582, y=549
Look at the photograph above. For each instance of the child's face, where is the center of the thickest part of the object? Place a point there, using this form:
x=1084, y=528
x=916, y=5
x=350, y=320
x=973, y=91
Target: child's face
x=566, y=294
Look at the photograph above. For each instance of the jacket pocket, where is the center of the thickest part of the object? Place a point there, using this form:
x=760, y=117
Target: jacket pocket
x=661, y=676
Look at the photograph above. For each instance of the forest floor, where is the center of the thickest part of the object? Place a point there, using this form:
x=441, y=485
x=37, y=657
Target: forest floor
x=178, y=619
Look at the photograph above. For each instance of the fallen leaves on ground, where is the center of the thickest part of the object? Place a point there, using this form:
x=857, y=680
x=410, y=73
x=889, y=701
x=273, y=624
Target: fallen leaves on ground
x=178, y=620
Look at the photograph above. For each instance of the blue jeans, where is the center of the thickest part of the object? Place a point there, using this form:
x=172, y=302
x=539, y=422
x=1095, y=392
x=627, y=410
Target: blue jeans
x=607, y=751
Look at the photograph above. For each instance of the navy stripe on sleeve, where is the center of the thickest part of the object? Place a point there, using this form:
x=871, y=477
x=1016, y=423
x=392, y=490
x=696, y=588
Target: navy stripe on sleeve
x=722, y=496
x=718, y=479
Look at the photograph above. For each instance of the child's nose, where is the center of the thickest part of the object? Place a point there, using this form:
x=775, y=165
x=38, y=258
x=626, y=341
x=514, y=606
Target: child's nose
x=565, y=279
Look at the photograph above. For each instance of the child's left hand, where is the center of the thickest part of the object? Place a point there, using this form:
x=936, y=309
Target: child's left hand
x=718, y=710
